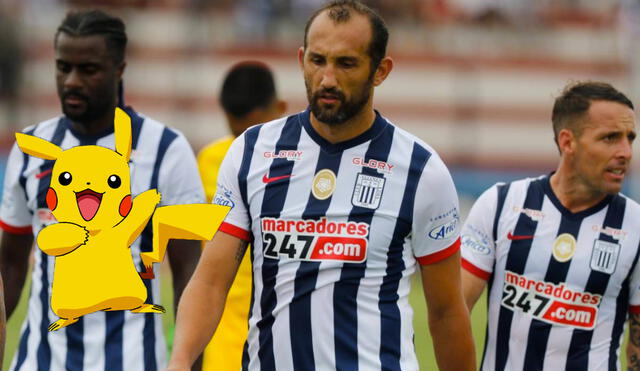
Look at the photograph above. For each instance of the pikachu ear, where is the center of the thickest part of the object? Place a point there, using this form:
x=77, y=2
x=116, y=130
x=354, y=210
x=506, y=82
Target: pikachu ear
x=38, y=147
x=122, y=124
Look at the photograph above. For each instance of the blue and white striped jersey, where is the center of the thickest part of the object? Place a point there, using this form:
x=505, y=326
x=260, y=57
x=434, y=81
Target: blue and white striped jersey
x=336, y=230
x=161, y=158
x=560, y=283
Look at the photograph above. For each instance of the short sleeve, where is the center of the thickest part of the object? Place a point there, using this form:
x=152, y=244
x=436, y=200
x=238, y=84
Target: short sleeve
x=436, y=221
x=478, y=246
x=14, y=213
x=179, y=180
x=634, y=290
x=228, y=193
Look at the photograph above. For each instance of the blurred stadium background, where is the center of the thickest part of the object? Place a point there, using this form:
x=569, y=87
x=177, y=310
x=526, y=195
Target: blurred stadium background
x=474, y=78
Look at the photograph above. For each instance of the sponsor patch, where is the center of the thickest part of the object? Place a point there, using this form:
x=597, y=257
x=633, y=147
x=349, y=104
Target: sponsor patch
x=564, y=247
x=474, y=245
x=535, y=215
x=223, y=197
x=385, y=167
x=604, y=256
x=287, y=154
x=314, y=240
x=616, y=234
x=551, y=303
x=368, y=191
x=444, y=231
x=323, y=185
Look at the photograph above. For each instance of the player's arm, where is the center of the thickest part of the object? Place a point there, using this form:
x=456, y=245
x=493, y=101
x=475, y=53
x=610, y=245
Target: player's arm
x=203, y=299
x=478, y=246
x=14, y=264
x=633, y=348
x=448, y=315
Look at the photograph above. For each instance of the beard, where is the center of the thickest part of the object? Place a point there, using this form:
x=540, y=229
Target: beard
x=90, y=109
x=339, y=113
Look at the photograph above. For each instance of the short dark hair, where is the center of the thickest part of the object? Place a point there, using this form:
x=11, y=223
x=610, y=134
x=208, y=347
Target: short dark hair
x=96, y=22
x=339, y=12
x=574, y=102
x=247, y=86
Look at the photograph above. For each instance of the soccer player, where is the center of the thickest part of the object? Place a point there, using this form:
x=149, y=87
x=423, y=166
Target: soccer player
x=340, y=206
x=89, y=60
x=560, y=252
x=248, y=97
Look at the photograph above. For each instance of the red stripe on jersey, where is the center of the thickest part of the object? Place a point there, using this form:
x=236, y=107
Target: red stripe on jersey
x=635, y=309
x=235, y=231
x=475, y=270
x=16, y=230
x=440, y=255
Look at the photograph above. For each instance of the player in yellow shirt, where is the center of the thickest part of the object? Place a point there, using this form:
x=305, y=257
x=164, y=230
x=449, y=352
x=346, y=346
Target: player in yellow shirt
x=248, y=97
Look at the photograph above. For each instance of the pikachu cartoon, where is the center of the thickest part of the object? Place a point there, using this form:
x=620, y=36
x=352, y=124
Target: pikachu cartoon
x=90, y=197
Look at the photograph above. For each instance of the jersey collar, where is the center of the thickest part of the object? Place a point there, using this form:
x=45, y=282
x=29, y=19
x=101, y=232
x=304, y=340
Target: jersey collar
x=92, y=139
x=379, y=124
x=546, y=186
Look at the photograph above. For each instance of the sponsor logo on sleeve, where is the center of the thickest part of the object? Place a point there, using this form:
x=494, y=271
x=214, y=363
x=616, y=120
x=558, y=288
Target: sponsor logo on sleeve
x=551, y=303
x=314, y=240
x=224, y=196
x=446, y=230
x=475, y=246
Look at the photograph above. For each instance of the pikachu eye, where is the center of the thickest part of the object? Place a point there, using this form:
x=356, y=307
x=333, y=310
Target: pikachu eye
x=114, y=181
x=65, y=178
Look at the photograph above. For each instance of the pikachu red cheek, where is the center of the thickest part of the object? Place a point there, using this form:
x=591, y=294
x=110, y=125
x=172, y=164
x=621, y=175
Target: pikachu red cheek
x=52, y=199
x=125, y=206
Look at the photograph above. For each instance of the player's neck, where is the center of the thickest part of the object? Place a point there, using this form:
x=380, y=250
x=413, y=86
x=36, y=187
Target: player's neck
x=348, y=129
x=94, y=127
x=572, y=193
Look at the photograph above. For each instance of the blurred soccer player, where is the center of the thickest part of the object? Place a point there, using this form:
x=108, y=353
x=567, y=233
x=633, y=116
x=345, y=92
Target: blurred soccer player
x=90, y=62
x=340, y=206
x=248, y=97
x=560, y=251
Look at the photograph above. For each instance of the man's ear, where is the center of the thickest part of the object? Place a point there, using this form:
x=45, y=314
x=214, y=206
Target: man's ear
x=383, y=70
x=301, y=56
x=566, y=141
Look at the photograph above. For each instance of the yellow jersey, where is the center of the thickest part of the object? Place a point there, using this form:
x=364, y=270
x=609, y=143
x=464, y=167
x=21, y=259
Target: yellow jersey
x=224, y=352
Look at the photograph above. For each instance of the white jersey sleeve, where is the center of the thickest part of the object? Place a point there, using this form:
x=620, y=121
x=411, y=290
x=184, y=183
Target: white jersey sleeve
x=14, y=213
x=436, y=221
x=179, y=180
x=478, y=245
x=634, y=290
x=228, y=192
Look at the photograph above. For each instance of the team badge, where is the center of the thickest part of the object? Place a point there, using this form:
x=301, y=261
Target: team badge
x=324, y=183
x=368, y=191
x=564, y=247
x=604, y=256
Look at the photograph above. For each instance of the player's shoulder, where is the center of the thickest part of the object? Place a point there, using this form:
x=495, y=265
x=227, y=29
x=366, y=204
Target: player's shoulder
x=154, y=125
x=632, y=206
x=44, y=128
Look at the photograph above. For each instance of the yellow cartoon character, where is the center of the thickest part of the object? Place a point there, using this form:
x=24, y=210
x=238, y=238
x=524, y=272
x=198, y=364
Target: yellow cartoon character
x=90, y=197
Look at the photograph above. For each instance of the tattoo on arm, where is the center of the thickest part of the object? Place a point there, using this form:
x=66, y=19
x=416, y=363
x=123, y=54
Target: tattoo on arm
x=634, y=342
x=241, y=250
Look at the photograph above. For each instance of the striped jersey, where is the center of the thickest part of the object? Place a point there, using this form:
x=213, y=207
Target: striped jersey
x=560, y=284
x=161, y=158
x=336, y=230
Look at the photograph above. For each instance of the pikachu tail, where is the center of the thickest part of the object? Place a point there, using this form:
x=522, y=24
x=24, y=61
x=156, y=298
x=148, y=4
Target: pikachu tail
x=188, y=222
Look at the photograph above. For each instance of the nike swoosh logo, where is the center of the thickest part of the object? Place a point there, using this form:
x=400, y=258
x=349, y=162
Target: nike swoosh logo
x=43, y=174
x=516, y=238
x=266, y=179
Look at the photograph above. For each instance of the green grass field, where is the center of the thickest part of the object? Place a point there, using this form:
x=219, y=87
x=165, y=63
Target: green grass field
x=423, y=343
